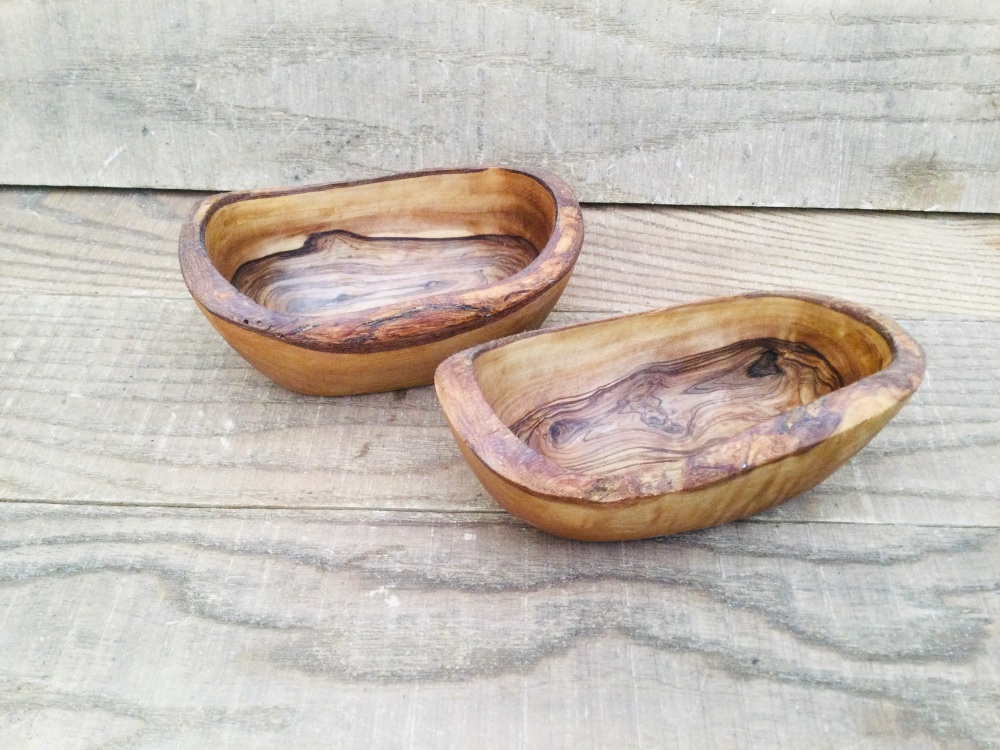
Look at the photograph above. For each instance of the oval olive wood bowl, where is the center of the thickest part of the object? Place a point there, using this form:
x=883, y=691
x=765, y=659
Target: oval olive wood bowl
x=366, y=286
x=676, y=419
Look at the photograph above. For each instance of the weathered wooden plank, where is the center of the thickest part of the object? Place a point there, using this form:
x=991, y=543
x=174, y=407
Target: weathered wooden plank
x=640, y=258
x=144, y=627
x=138, y=401
x=861, y=104
x=390, y=604
x=115, y=243
x=104, y=242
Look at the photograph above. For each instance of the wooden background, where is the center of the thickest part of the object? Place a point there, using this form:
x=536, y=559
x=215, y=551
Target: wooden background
x=191, y=556
x=866, y=103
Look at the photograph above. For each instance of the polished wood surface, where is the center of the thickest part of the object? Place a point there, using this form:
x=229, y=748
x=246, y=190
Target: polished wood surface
x=674, y=409
x=317, y=286
x=194, y=556
x=669, y=421
x=338, y=271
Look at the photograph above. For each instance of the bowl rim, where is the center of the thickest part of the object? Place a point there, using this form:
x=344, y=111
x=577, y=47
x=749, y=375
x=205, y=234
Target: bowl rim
x=787, y=434
x=395, y=325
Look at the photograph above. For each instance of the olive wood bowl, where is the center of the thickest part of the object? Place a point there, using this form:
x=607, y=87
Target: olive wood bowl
x=367, y=286
x=676, y=419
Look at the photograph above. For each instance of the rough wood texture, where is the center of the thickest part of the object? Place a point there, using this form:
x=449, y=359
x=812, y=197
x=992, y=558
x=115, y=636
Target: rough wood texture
x=424, y=616
x=160, y=411
x=123, y=243
x=868, y=103
x=179, y=628
x=115, y=384
x=395, y=337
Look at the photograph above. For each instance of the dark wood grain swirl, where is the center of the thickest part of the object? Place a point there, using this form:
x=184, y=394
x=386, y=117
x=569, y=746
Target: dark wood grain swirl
x=341, y=271
x=675, y=409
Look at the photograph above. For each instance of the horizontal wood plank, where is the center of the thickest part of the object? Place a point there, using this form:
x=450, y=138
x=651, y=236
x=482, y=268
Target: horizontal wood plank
x=124, y=243
x=899, y=263
x=832, y=104
x=138, y=401
x=173, y=627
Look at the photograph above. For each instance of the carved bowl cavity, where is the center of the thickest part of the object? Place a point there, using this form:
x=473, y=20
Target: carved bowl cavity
x=676, y=419
x=366, y=286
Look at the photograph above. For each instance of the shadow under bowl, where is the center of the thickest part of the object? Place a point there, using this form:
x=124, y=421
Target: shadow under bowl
x=676, y=419
x=367, y=286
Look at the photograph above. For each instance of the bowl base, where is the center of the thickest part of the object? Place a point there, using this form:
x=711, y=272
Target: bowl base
x=339, y=271
x=670, y=411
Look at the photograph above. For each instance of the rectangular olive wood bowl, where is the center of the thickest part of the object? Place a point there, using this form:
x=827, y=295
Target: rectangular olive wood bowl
x=367, y=286
x=676, y=419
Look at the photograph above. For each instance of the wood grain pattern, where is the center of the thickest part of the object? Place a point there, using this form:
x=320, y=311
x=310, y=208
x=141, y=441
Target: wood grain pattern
x=159, y=411
x=161, y=408
x=835, y=104
x=388, y=604
x=674, y=409
x=144, y=627
x=387, y=341
x=340, y=271
x=123, y=243
x=629, y=386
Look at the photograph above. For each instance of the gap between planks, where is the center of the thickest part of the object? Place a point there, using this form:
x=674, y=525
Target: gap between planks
x=488, y=517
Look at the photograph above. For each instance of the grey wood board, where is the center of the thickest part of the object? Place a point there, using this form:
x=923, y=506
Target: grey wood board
x=874, y=104
x=138, y=401
x=138, y=627
x=113, y=243
x=344, y=582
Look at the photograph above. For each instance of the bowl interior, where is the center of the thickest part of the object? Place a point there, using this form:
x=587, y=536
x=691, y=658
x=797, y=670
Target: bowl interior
x=604, y=398
x=352, y=247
